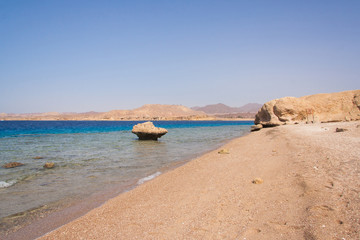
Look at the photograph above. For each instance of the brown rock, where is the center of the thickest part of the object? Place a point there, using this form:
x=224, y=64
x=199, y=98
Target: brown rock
x=256, y=127
x=147, y=131
x=340, y=130
x=329, y=107
x=224, y=151
x=257, y=181
x=37, y=157
x=12, y=165
x=49, y=165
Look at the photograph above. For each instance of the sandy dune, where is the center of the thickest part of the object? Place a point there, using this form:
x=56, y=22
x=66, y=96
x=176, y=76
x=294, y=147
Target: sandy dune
x=310, y=191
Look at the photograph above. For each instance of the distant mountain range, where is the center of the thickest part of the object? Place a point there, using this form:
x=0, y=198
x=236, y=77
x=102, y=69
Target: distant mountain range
x=219, y=109
x=147, y=112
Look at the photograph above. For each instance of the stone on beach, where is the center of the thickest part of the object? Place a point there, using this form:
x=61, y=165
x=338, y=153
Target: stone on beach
x=12, y=165
x=147, y=131
x=224, y=151
x=340, y=130
x=257, y=181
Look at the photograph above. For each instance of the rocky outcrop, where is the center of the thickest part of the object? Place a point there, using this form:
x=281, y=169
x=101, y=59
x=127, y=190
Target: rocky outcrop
x=328, y=107
x=147, y=131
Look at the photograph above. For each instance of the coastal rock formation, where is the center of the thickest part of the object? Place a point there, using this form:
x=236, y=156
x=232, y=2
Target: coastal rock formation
x=327, y=107
x=12, y=165
x=147, y=131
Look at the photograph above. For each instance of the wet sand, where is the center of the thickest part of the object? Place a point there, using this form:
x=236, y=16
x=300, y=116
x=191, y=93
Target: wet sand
x=310, y=191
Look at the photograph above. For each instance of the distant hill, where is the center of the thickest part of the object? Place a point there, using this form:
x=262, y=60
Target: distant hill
x=146, y=112
x=156, y=112
x=219, y=109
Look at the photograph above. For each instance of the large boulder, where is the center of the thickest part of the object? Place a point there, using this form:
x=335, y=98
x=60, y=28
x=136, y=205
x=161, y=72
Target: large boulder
x=328, y=107
x=147, y=131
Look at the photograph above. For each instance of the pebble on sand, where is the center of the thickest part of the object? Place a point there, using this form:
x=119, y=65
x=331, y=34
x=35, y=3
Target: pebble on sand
x=224, y=151
x=341, y=129
x=257, y=181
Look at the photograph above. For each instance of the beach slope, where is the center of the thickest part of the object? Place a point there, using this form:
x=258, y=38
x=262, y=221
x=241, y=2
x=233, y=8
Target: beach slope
x=310, y=190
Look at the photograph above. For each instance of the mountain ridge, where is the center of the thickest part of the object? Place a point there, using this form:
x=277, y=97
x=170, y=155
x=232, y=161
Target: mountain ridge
x=145, y=112
x=220, y=108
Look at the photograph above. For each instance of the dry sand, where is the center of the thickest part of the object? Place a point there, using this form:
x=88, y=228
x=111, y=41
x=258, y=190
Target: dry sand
x=310, y=191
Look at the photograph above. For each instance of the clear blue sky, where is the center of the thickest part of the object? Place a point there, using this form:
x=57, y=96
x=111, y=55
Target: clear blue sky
x=77, y=56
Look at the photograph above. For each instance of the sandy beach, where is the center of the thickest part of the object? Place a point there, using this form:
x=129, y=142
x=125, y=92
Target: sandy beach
x=310, y=190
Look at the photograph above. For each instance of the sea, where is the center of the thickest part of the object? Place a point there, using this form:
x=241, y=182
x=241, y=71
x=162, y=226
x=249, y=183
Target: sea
x=91, y=156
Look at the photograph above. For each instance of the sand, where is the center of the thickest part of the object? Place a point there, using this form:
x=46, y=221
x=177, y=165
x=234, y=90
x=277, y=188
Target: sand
x=310, y=190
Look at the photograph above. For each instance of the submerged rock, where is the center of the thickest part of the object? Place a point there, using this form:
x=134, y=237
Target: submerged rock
x=38, y=157
x=147, y=131
x=49, y=165
x=12, y=165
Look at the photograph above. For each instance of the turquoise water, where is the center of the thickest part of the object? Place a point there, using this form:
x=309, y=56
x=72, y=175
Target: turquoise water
x=90, y=156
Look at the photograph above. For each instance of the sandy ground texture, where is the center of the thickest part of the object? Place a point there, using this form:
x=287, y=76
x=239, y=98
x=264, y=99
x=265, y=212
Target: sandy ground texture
x=310, y=190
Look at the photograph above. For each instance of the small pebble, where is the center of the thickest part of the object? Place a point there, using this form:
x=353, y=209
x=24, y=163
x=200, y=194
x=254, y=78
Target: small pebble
x=341, y=129
x=257, y=181
x=224, y=151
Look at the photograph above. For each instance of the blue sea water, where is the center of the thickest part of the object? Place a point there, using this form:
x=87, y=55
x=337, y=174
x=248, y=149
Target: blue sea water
x=91, y=155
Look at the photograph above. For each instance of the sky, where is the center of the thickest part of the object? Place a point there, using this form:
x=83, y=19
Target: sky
x=79, y=56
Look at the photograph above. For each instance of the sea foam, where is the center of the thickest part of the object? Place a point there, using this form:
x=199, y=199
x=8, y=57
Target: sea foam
x=148, y=178
x=4, y=184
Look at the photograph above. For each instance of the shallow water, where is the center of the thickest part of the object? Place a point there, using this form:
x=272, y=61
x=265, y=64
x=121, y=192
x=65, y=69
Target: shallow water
x=90, y=156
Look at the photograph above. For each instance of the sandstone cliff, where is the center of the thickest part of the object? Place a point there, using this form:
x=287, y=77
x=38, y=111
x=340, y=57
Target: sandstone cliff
x=327, y=107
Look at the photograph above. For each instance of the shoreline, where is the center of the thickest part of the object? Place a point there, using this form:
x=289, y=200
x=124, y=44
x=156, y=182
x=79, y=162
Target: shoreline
x=130, y=120
x=62, y=212
x=212, y=196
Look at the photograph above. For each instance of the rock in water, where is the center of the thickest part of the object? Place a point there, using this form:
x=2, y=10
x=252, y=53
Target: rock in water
x=147, y=131
x=12, y=165
x=49, y=165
